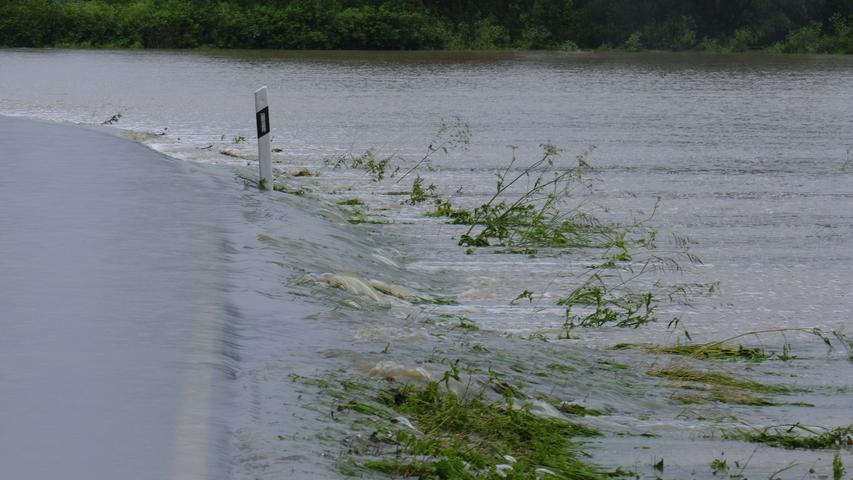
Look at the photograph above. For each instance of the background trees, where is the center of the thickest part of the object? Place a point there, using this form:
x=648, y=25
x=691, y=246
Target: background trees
x=805, y=26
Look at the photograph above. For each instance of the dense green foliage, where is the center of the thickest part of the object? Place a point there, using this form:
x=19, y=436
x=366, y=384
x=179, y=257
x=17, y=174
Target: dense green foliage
x=791, y=26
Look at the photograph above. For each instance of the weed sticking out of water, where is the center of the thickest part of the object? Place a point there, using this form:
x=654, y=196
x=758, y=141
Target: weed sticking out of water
x=305, y=173
x=113, y=119
x=687, y=374
x=796, y=436
x=466, y=323
x=599, y=305
x=238, y=139
x=544, y=214
x=370, y=161
x=419, y=194
x=838, y=469
x=455, y=133
x=525, y=294
x=534, y=217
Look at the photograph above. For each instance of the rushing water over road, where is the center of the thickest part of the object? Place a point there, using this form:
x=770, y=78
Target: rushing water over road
x=746, y=152
x=112, y=297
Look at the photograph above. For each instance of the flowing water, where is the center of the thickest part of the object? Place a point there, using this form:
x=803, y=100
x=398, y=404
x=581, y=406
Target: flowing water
x=747, y=154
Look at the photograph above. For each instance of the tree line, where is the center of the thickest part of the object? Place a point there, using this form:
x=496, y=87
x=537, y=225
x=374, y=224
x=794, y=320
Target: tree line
x=792, y=26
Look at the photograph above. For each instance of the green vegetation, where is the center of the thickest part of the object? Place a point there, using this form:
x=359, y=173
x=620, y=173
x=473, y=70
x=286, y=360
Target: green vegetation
x=722, y=395
x=419, y=194
x=798, y=436
x=479, y=433
x=838, y=469
x=370, y=161
x=428, y=431
x=707, y=351
x=536, y=208
x=721, y=350
x=687, y=374
x=577, y=409
x=790, y=26
x=351, y=202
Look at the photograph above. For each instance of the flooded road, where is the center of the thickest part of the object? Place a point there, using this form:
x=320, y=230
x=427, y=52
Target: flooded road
x=749, y=155
x=113, y=306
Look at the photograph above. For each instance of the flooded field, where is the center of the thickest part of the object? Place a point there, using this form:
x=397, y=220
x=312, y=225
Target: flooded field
x=745, y=159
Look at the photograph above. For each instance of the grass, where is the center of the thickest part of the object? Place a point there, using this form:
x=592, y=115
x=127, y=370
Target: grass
x=453, y=428
x=723, y=395
x=358, y=217
x=577, y=409
x=706, y=351
x=419, y=194
x=533, y=208
x=687, y=374
x=797, y=436
x=468, y=437
x=283, y=189
x=533, y=217
x=838, y=469
x=370, y=161
x=466, y=323
x=351, y=202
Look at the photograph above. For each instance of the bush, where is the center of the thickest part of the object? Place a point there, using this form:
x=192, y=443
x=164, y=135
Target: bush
x=742, y=40
x=634, y=42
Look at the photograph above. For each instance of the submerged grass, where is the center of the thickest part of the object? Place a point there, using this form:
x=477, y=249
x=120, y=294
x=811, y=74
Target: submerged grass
x=459, y=437
x=797, y=436
x=723, y=395
x=688, y=374
x=432, y=430
x=707, y=351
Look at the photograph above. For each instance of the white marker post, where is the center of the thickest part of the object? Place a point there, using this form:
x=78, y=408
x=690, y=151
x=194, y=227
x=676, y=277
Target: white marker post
x=262, y=118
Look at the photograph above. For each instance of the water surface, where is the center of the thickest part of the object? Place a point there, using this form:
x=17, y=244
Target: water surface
x=746, y=153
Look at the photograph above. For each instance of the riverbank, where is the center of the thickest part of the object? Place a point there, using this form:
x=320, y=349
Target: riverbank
x=427, y=25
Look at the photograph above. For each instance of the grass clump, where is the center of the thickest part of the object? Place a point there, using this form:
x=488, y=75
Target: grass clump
x=468, y=437
x=351, y=202
x=357, y=217
x=797, y=436
x=723, y=395
x=707, y=351
x=283, y=189
x=466, y=323
x=578, y=409
x=687, y=374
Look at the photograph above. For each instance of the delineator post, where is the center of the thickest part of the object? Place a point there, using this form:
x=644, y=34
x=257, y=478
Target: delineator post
x=262, y=119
